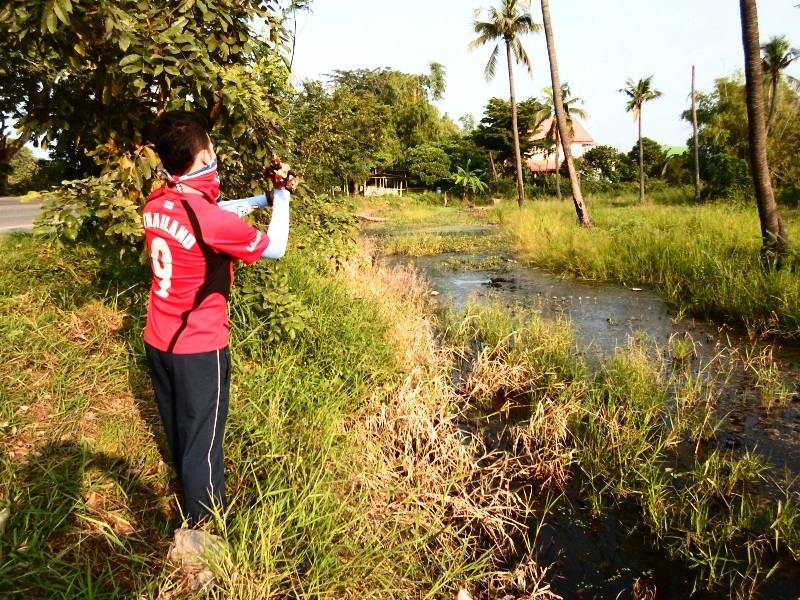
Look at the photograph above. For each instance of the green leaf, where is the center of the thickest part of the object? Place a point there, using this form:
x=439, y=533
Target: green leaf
x=151, y=157
x=59, y=12
x=124, y=42
x=130, y=59
x=49, y=22
x=131, y=69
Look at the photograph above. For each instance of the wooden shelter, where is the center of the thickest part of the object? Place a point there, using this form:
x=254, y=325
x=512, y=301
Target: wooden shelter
x=383, y=184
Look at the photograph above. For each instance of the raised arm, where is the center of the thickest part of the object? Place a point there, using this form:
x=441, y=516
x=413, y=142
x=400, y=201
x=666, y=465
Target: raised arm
x=278, y=230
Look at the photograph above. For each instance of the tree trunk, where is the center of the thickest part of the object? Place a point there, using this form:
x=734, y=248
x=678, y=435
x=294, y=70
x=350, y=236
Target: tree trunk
x=558, y=175
x=696, y=143
x=561, y=121
x=641, y=159
x=773, y=235
x=773, y=101
x=8, y=150
x=517, y=152
x=494, y=168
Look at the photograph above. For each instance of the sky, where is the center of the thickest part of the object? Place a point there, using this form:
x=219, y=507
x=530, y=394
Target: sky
x=600, y=43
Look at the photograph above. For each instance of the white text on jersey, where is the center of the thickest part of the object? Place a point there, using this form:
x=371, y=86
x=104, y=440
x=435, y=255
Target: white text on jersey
x=171, y=227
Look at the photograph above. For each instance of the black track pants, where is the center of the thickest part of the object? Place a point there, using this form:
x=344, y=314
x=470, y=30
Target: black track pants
x=192, y=392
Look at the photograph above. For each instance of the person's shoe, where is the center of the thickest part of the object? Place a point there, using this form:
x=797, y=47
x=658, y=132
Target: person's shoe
x=197, y=552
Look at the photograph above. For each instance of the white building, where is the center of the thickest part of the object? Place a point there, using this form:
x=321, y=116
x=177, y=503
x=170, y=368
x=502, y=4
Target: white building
x=541, y=160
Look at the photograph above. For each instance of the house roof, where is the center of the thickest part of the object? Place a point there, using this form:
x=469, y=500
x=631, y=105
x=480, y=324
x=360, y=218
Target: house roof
x=581, y=136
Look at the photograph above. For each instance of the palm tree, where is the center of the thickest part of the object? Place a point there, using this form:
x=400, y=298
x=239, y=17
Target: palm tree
x=638, y=93
x=773, y=236
x=563, y=119
x=549, y=111
x=508, y=23
x=776, y=55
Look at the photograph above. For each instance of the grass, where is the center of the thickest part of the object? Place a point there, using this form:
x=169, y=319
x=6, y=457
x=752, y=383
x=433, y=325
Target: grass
x=704, y=259
x=350, y=471
x=346, y=470
x=419, y=210
x=636, y=436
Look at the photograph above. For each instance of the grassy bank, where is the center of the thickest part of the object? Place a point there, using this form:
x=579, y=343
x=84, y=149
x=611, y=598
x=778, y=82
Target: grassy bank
x=635, y=436
x=704, y=259
x=347, y=475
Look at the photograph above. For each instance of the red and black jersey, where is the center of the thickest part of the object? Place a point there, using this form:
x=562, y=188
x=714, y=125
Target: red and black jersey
x=192, y=244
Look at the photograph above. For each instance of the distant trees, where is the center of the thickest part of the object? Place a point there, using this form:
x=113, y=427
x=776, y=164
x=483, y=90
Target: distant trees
x=506, y=25
x=341, y=136
x=772, y=232
x=428, y=163
x=365, y=120
x=611, y=164
x=777, y=54
x=639, y=92
x=653, y=156
x=496, y=132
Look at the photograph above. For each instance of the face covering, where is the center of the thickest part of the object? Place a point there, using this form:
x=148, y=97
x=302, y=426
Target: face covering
x=205, y=180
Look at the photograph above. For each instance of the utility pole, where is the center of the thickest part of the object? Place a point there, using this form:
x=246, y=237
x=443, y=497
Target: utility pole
x=696, y=143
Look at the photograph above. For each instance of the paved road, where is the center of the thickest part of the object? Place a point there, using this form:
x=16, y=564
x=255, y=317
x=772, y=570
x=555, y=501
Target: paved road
x=16, y=215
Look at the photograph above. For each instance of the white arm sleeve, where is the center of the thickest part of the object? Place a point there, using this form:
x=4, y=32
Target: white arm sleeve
x=278, y=230
x=243, y=206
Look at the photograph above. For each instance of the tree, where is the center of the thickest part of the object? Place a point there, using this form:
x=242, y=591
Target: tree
x=409, y=97
x=772, y=232
x=107, y=69
x=428, y=163
x=469, y=181
x=563, y=119
x=495, y=132
x=508, y=23
x=461, y=150
x=777, y=54
x=639, y=92
x=364, y=120
x=549, y=111
x=723, y=140
x=653, y=156
x=467, y=122
x=342, y=136
x=609, y=163
x=22, y=84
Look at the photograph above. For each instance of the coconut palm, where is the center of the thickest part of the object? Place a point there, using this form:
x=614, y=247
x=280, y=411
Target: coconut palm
x=639, y=92
x=776, y=55
x=773, y=235
x=548, y=111
x=507, y=24
x=563, y=119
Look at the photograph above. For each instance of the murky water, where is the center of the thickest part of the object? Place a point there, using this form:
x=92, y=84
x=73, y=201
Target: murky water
x=604, y=316
x=594, y=557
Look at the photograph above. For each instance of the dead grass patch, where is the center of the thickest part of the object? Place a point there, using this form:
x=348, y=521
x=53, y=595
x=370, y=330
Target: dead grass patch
x=420, y=467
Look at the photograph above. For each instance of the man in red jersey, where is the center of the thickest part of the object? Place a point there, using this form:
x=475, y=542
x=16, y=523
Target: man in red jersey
x=193, y=244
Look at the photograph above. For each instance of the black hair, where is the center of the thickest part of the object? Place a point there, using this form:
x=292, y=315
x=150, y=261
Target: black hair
x=179, y=136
